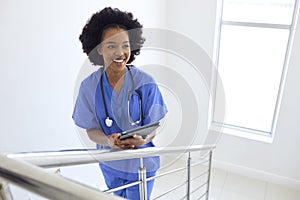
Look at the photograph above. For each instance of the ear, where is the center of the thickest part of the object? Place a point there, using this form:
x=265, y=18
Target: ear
x=99, y=49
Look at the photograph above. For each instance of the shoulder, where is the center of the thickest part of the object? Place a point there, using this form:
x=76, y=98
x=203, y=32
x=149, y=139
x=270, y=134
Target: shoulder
x=89, y=85
x=92, y=80
x=141, y=77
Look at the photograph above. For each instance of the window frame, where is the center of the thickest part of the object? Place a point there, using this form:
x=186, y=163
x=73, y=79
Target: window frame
x=236, y=130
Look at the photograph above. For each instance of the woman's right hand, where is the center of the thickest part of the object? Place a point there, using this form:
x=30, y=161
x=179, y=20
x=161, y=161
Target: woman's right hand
x=112, y=140
x=115, y=142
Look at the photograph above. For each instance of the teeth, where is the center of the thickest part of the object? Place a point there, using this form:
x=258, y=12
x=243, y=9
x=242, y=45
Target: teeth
x=119, y=61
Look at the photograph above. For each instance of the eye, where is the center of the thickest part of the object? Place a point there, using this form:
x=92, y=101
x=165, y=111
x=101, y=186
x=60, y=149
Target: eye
x=111, y=46
x=126, y=46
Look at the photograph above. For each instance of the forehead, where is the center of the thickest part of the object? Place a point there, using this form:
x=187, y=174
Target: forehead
x=114, y=35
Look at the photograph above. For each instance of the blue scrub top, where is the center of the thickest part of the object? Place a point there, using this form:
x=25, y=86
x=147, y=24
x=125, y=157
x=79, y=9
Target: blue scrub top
x=89, y=113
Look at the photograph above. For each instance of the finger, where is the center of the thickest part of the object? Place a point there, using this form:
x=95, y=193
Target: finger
x=126, y=141
x=116, y=136
x=127, y=146
x=131, y=146
x=139, y=137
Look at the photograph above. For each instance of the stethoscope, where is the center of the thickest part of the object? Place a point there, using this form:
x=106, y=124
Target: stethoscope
x=108, y=120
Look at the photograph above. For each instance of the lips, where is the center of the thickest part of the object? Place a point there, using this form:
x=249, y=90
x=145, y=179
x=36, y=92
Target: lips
x=119, y=62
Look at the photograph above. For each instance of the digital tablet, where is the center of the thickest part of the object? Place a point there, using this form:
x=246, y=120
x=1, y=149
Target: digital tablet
x=141, y=130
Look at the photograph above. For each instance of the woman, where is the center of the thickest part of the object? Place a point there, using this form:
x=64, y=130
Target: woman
x=112, y=39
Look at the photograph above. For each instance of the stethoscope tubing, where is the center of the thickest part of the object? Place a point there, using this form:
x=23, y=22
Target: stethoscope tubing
x=108, y=121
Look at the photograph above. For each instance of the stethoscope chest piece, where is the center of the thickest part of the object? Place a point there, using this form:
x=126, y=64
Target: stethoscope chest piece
x=108, y=122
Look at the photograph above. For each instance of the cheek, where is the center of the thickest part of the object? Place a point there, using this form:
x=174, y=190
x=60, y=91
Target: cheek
x=128, y=54
x=107, y=61
x=107, y=57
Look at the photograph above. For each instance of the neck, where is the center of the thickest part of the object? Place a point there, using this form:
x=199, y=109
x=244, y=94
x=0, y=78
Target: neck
x=115, y=78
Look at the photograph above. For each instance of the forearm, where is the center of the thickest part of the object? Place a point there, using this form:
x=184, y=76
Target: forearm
x=98, y=137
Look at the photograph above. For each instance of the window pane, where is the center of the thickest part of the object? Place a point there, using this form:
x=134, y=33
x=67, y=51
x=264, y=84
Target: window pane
x=250, y=65
x=259, y=11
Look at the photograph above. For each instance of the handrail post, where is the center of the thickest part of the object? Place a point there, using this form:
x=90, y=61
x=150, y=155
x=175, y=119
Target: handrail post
x=188, y=192
x=209, y=172
x=5, y=193
x=143, y=179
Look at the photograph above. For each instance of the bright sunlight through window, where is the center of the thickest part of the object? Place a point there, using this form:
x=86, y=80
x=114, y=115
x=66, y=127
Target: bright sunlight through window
x=252, y=54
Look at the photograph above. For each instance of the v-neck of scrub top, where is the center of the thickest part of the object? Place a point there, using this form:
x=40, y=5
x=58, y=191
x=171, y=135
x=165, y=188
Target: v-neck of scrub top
x=118, y=101
x=109, y=87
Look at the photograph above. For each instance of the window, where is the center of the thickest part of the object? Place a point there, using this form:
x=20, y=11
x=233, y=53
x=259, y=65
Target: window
x=254, y=39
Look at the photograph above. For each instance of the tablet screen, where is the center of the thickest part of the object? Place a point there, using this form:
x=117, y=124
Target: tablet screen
x=141, y=130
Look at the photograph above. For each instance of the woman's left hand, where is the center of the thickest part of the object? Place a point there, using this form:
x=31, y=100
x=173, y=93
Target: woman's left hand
x=135, y=141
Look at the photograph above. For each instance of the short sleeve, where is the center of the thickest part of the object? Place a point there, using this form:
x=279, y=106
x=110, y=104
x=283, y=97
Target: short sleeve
x=84, y=111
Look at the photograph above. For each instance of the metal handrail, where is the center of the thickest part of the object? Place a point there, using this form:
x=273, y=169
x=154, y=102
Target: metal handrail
x=49, y=185
x=20, y=169
x=78, y=157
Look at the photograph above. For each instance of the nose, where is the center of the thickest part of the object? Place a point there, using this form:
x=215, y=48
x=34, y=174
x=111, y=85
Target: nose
x=119, y=51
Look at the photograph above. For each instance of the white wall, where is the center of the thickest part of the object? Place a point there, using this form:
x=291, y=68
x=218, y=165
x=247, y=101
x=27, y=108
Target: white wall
x=40, y=59
x=193, y=18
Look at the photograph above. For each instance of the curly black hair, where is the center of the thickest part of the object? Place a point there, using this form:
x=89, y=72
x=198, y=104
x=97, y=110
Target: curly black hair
x=110, y=18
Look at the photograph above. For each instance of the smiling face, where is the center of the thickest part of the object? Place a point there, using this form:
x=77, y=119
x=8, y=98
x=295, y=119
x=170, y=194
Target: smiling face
x=115, y=48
